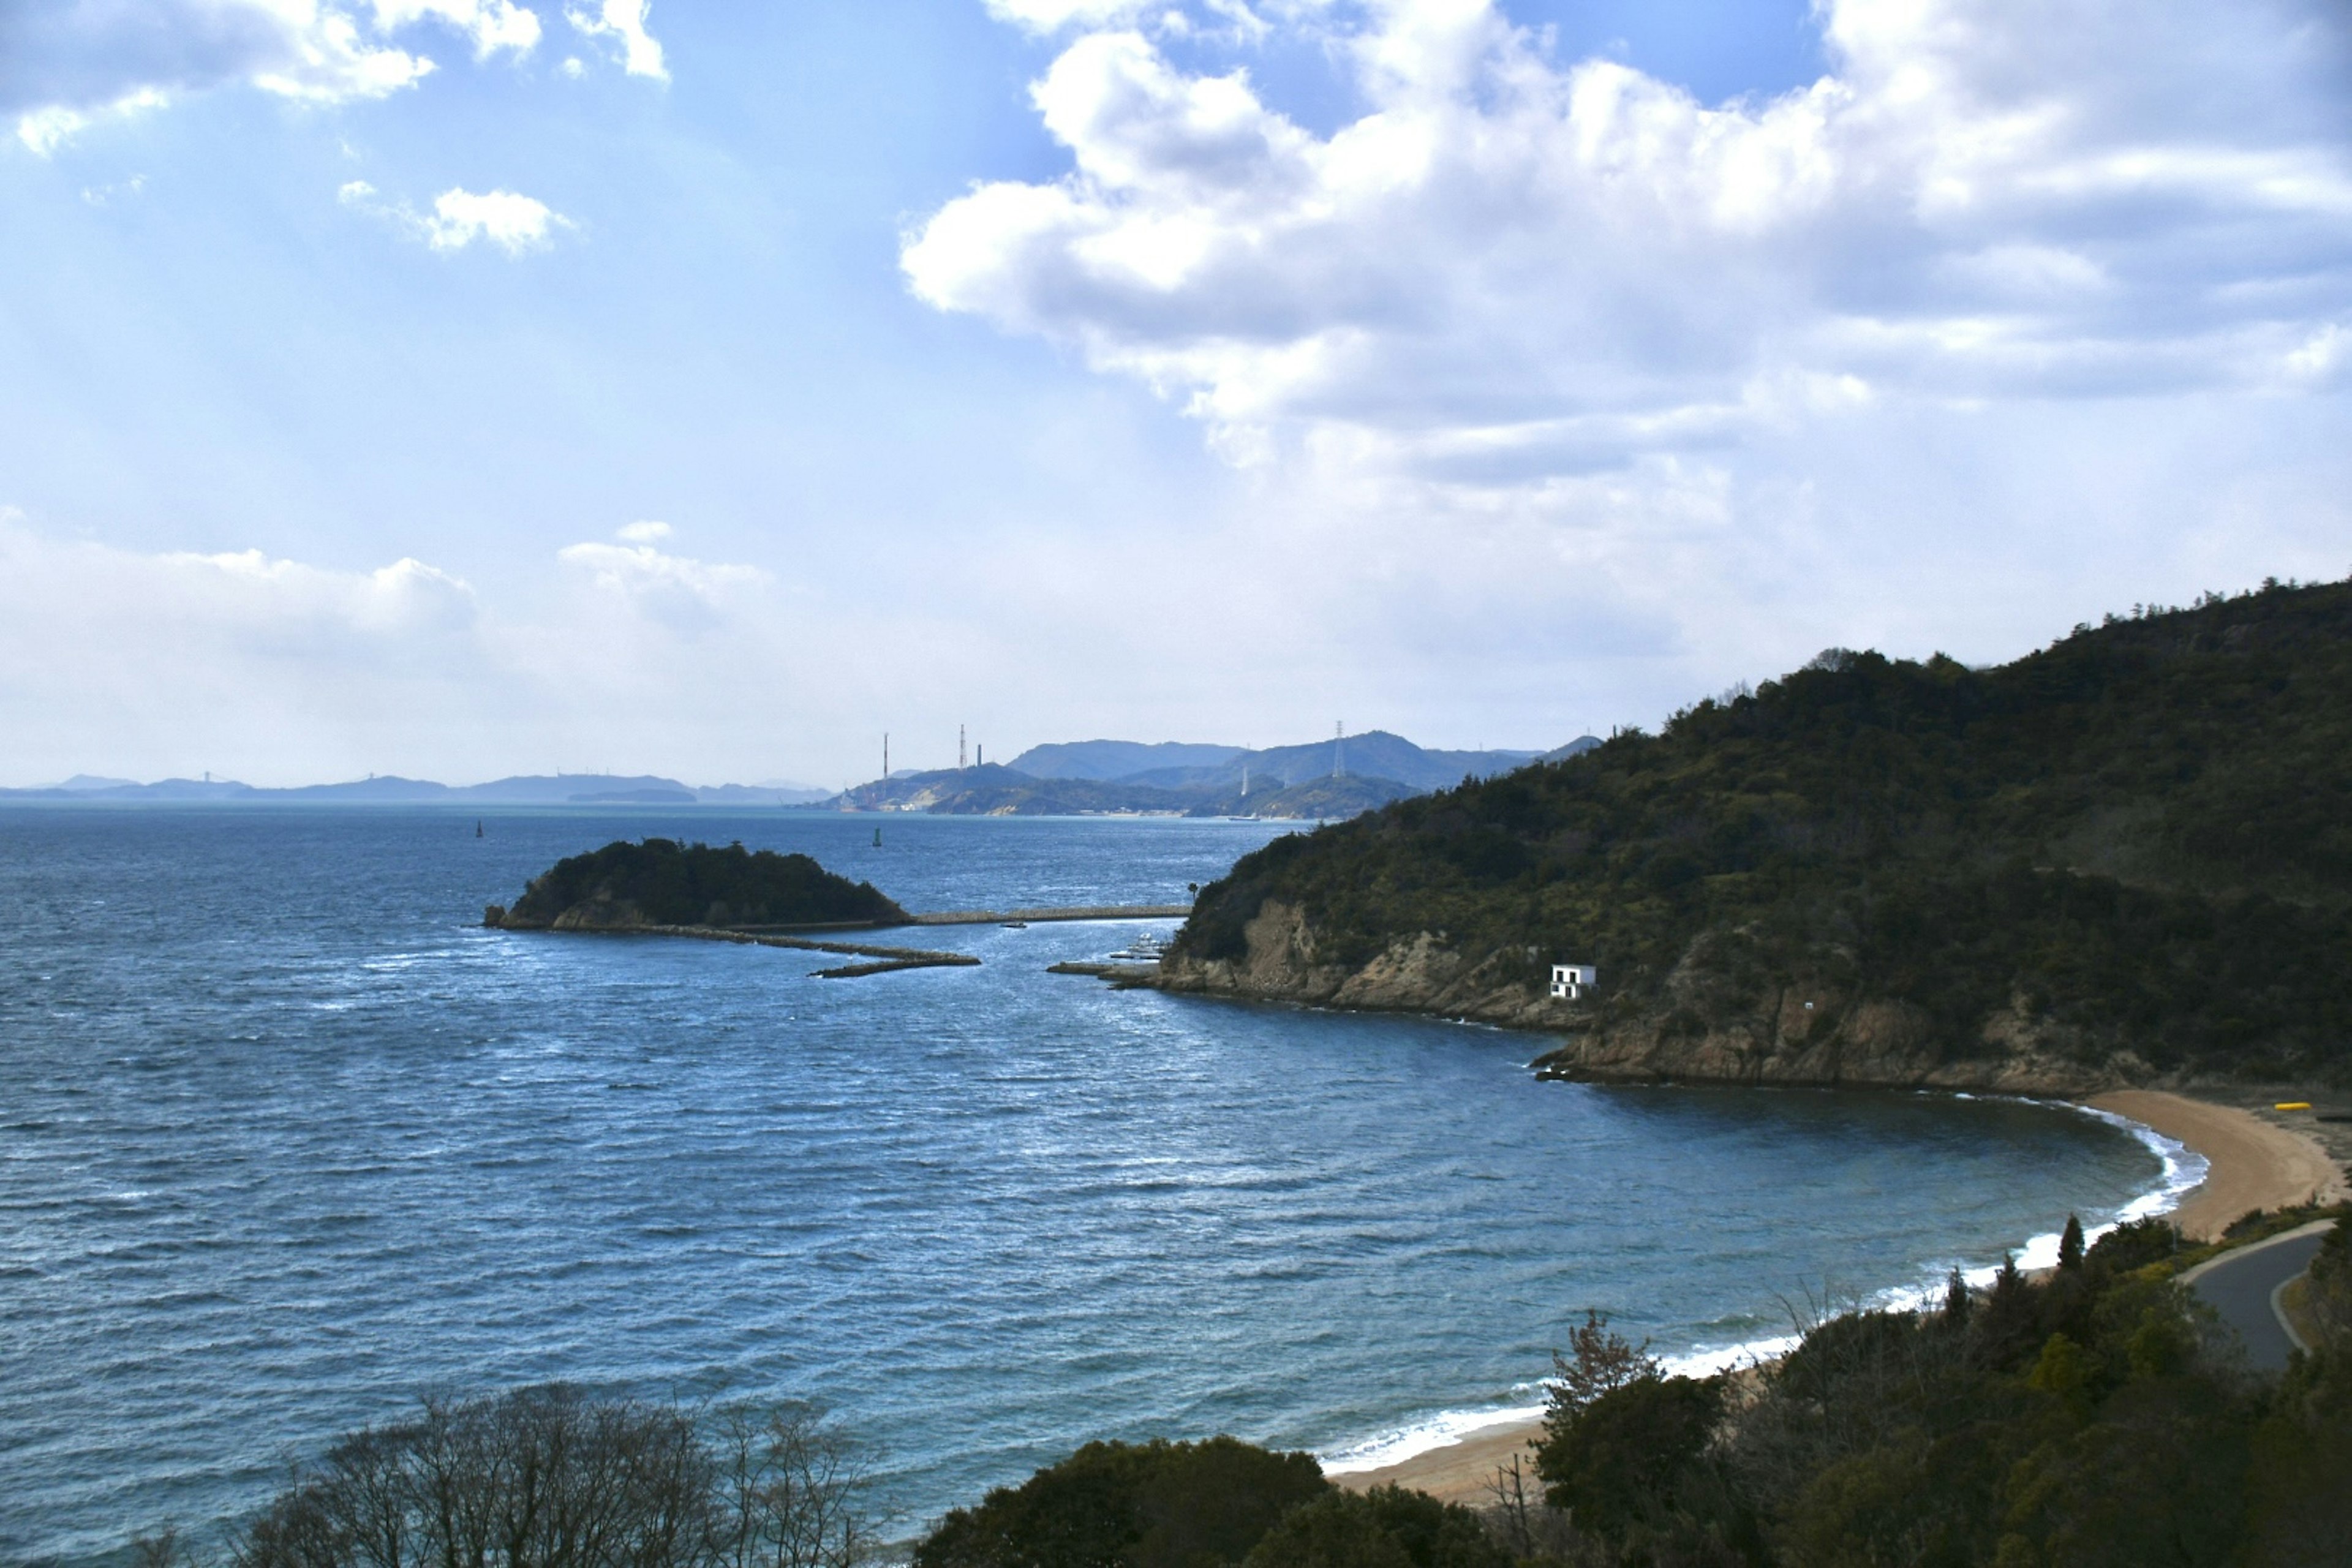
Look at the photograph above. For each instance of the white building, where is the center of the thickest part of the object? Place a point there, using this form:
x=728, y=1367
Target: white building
x=1570, y=981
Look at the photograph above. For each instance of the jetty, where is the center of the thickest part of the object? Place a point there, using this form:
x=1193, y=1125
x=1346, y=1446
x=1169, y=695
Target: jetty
x=1078, y=912
x=885, y=958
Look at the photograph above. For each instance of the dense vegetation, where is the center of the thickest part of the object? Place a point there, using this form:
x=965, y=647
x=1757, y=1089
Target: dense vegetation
x=1217, y=1504
x=546, y=1477
x=2093, y=1417
x=661, y=882
x=2138, y=838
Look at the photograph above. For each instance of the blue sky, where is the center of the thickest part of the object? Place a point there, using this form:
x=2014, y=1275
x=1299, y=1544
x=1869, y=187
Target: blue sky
x=705, y=388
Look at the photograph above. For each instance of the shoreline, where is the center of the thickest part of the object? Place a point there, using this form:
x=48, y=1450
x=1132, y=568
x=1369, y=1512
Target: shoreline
x=2250, y=1163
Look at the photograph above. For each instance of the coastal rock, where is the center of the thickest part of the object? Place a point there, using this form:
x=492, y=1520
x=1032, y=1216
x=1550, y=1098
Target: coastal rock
x=1720, y=1018
x=1280, y=963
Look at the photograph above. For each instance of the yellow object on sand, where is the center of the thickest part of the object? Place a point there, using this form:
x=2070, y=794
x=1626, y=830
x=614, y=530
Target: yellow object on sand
x=2292, y=1105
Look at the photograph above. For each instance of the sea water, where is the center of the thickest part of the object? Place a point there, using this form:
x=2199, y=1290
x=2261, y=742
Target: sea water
x=286, y=1139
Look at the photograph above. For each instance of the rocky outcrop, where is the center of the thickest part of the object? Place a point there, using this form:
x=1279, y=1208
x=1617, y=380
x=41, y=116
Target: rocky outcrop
x=600, y=913
x=1716, y=1019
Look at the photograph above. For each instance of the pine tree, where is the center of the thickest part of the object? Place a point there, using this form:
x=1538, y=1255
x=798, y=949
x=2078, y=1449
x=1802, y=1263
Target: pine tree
x=2070, y=1244
x=1955, y=1300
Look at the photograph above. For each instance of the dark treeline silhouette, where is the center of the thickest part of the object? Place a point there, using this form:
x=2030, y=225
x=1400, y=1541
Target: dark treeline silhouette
x=544, y=1478
x=663, y=883
x=2093, y=1416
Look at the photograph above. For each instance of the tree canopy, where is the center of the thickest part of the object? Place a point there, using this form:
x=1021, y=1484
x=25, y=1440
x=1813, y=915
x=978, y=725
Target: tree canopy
x=663, y=883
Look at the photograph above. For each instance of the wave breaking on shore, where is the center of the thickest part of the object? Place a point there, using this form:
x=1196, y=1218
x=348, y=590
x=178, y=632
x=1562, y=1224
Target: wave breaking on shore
x=2182, y=1171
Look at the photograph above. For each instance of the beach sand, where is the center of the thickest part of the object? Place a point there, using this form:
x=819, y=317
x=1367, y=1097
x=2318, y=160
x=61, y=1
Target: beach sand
x=1461, y=1472
x=2250, y=1164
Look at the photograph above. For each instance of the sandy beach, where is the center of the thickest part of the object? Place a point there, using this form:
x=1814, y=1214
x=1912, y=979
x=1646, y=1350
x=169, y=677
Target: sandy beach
x=1461, y=1472
x=2250, y=1164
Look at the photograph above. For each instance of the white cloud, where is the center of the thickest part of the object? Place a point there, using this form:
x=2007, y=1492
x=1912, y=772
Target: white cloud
x=64, y=62
x=1049, y=15
x=44, y=130
x=684, y=595
x=644, y=532
x=515, y=224
x=1233, y=19
x=491, y=25
x=284, y=672
x=622, y=23
x=1570, y=265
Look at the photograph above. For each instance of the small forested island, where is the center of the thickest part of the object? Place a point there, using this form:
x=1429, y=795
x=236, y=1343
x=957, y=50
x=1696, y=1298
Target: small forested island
x=2125, y=858
x=661, y=882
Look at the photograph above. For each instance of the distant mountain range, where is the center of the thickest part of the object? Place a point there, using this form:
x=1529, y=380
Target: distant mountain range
x=560, y=789
x=1095, y=777
x=1322, y=779
x=1375, y=753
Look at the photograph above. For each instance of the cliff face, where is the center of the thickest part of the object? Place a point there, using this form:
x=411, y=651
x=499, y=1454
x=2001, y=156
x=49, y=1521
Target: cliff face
x=1711, y=1023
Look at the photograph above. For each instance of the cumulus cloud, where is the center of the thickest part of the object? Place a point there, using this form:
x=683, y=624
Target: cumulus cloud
x=680, y=593
x=63, y=63
x=490, y=25
x=1511, y=266
x=280, y=670
x=621, y=24
x=515, y=224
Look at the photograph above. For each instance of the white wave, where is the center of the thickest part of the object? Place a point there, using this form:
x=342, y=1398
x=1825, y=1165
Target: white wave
x=2183, y=1170
x=1705, y=1361
x=1442, y=1430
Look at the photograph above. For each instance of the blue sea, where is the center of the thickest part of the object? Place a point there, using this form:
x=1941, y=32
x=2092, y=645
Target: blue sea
x=286, y=1139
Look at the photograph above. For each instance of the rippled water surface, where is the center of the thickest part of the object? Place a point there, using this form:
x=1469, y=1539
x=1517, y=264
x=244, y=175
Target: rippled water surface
x=286, y=1138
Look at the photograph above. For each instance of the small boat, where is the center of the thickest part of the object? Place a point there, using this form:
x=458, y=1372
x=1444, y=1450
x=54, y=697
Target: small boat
x=1016, y=925
x=878, y=838
x=478, y=827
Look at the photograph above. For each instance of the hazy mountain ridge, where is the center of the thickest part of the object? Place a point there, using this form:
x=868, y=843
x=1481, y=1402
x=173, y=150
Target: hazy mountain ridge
x=1106, y=759
x=526, y=789
x=1172, y=777
x=1174, y=765
x=1288, y=782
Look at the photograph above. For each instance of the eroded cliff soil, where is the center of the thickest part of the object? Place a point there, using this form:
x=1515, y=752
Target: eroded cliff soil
x=1712, y=1021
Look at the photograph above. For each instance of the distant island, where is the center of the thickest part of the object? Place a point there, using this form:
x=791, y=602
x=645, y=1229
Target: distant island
x=526, y=789
x=663, y=883
x=1319, y=781
x=2123, y=860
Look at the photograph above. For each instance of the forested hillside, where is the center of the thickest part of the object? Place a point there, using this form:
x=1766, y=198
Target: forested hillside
x=2127, y=855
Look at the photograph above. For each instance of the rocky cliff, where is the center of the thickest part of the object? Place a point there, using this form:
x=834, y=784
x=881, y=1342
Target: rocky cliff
x=1705, y=1027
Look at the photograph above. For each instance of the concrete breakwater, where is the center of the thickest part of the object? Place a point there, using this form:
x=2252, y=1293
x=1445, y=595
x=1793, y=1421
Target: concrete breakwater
x=1076, y=912
x=886, y=959
x=891, y=958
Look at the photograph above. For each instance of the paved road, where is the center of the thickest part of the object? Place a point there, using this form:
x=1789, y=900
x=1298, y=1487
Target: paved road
x=2240, y=1286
